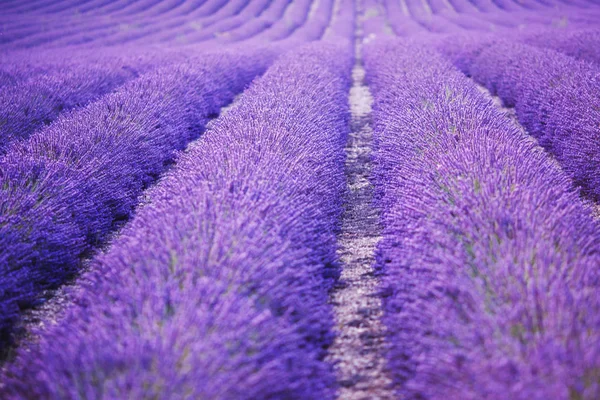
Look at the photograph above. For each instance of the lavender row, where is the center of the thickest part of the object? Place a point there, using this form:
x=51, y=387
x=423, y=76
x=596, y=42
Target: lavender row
x=256, y=25
x=468, y=7
x=192, y=30
x=218, y=286
x=29, y=105
x=554, y=96
x=227, y=25
x=311, y=21
x=222, y=25
x=401, y=24
x=85, y=29
x=155, y=7
x=63, y=190
x=583, y=44
x=19, y=66
x=236, y=21
x=189, y=8
x=314, y=26
x=564, y=17
x=436, y=16
x=489, y=257
x=102, y=8
x=111, y=27
x=295, y=27
x=286, y=24
x=375, y=21
x=341, y=26
x=295, y=15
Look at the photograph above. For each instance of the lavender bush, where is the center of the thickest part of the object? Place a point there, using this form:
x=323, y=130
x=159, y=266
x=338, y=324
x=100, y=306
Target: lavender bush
x=28, y=106
x=192, y=192
x=229, y=301
x=490, y=257
x=555, y=98
x=64, y=188
x=583, y=44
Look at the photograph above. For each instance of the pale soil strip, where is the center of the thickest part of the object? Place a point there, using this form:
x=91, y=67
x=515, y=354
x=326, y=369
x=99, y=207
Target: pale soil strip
x=404, y=8
x=312, y=10
x=359, y=349
x=334, y=16
x=509, y=111
x=426, y=7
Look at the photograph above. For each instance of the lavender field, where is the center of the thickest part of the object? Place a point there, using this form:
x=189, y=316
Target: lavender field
x=308, y=199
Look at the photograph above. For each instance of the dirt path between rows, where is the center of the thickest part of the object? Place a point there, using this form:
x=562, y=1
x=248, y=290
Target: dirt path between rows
x=358, y=349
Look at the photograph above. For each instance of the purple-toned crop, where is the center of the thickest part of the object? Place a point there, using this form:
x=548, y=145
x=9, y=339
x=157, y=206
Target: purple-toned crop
x=438, y=24
x=467, y=7
x=402, y=24
x=555, y=98
x=486, y=6
x=256, y=25
x=88, y=29
x=223, y=25
x=489, y=258
x=341, y=26
x=375, y=23
x=315, y=24
x=194, y=30
x=582, y=44
x=396, y=198
x=24, y=67
x=218, y=286
x=28, y=106
x=508, y=5
x=293, y=17
x=63, y=190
